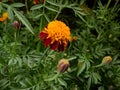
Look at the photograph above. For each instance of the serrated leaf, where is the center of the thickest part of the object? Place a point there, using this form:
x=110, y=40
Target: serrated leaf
x=81, y=68
x=17, y=5
x=24, y=20
x=35, y=7
x=62, y=82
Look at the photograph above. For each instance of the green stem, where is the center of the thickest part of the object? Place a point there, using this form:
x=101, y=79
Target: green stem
x=26, y=5
x=58, y=13
x=44, y=54
x=14, y=48
x=100, y=65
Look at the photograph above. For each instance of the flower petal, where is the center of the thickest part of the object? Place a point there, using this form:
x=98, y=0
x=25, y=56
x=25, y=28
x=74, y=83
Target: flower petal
x=47, y=42
x=54, y=46
x=61, y=47
x=43, y=35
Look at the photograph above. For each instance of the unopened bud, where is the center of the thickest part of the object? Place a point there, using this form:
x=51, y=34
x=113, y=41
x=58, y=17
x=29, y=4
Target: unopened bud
x=106, y=60
x=17, y=25
x=63, y=65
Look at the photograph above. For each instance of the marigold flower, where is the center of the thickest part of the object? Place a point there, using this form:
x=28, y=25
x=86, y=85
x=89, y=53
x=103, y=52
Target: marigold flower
x=106, y=60
x=63, y=65
x=4, y=17
x=56, y=35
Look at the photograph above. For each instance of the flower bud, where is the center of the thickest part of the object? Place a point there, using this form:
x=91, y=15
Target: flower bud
x=16, y=25
x=106, y=60
x=63, y=65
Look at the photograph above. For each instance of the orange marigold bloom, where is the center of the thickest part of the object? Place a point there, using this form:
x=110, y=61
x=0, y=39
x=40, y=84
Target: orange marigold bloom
x=4, y=16
x=56, y=35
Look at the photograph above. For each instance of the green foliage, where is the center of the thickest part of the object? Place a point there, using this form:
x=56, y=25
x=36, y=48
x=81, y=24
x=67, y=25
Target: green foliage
x=26, y=64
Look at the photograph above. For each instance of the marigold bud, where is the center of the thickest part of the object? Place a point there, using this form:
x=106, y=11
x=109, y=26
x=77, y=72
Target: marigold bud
x=17, y=25
x=63, y=65
x=106, y=60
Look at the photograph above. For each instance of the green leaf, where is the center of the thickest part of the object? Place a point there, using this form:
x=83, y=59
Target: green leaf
x=51, y=9
x=72, y=58
x=3, y=82
x=37, y=87
x=95, y=78
x=24, y=20
x=81, y=68
x=17, y=5
x=51, y=3
x=23, y=84
x=53, y=78
x=89, y=83
x=62, y=82
x=38, y=6
x=87, y=65
x=28, y=81
x=38, y=16
x=10, y=13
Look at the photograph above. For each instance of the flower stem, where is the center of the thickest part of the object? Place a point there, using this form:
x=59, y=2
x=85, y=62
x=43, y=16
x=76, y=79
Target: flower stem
x=26, y=5
x=58, y=13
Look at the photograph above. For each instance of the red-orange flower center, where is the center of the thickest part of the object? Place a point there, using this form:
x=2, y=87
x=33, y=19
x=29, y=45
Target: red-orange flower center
x=56, y=35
